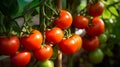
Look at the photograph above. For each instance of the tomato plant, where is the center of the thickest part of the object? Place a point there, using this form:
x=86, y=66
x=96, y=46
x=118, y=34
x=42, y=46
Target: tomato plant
x=54, y=35
x=21, y=58
x=96, y=9
x=91, y=43
x=52, y=23
x=80, y=22
x=96, y=27
x=70, y=45
x=44, y=53
x=64, y=20
x=32, y=41
x=96, y=56
x=9, y=45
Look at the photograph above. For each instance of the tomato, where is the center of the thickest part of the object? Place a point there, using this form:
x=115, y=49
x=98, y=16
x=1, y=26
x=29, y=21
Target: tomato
x=47, y=63
x=44, y=53
x=33, y=41
x=9, y=45
x=96, y=56
x=96, y=9
x=102, y=38
x=64, y=20
x=91, y=43
x=21, y=58
x=54, y=35
x=96, y=28
x=80, y=22
x=70, y=45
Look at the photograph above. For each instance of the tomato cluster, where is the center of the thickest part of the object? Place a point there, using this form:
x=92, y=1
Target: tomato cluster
x=94, y=27
x=41, y=44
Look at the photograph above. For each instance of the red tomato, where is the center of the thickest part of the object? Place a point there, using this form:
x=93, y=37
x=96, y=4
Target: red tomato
x=80, y=22
x=70, y=45
x=54, y=35
x=21, y=58
x=96, y=28
x=9, y=45
x=90, y=44
x=33, y=41
x=44, y=53
x=64, y=20
x=96, y=9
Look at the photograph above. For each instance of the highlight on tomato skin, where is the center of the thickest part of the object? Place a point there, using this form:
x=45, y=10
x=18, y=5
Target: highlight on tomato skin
x=96, y=9
x=90, y=43
x=96, y=27
x=54, y=35
x=21, y=58
x=80, y=21
x=44, y=53
x=64, y=20
x=9, y=45
x=70, y=45
x=32, y=41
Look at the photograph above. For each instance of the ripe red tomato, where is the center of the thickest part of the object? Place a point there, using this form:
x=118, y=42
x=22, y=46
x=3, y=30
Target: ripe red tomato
x=96, y=9
x=64, y=20
x=44, y=53
x=80, y=22
x=9, y=45
x=21, y=58
x=54, y=35
x=96, y=28
x=70, y=45
x=33, y=41
x=91, y=43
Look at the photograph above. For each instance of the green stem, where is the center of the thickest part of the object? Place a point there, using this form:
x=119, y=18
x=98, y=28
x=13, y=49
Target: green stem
x=44, y=14
x=70, y=61
x=51, y=9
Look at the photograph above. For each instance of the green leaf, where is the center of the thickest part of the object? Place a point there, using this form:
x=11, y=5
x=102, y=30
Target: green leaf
x=113, y=10
x=116, y=30
x=22, y=5
x=106, y=14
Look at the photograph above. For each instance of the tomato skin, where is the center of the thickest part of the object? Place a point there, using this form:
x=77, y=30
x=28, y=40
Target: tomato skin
x=47, y=63
x=90, y=44
x=96, y=9
x=96, y=28
x=103, y=38
x=54, y=35
x=33, y=41
x=80, y=22
x=9, y=45
x=44, y=53
x=96, y=56
x=71, y=45
x=21, y=58
x=64, y=20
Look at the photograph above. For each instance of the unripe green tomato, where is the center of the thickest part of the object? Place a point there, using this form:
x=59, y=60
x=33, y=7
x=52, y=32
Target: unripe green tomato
x=47, y=63
x=96, y=56
x=102, y=38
